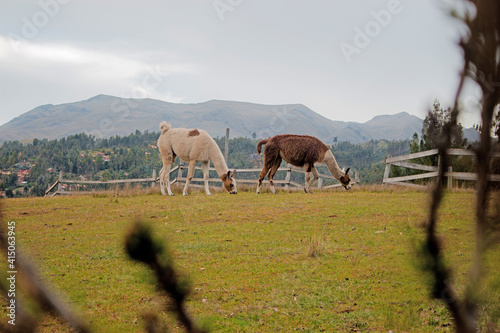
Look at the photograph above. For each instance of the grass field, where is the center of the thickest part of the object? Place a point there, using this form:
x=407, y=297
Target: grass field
x=333, y=261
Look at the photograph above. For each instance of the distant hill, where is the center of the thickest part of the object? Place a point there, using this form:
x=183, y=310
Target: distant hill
x=105, y=116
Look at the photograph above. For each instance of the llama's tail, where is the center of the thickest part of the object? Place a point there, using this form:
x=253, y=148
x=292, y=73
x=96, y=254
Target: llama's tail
x=259, y=145
x=164, y=127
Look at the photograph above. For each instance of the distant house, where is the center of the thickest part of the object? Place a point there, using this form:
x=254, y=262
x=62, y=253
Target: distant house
x=21, y=174
x=105, y=157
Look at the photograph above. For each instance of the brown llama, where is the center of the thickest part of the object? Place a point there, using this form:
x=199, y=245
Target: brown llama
x=191, y=145
x=300, y=151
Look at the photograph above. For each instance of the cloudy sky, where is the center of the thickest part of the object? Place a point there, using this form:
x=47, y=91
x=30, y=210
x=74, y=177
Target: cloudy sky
x=347, y=60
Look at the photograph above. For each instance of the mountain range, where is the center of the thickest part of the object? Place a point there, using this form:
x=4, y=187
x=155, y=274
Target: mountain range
x=104, y=116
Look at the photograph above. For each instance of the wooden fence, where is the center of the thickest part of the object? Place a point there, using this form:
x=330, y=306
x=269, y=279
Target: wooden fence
x=60, y=182
x=432, y=171
x=177, y=171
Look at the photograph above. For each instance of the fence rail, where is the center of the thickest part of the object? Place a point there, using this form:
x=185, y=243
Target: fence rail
x=179, y=178
x=432, y=171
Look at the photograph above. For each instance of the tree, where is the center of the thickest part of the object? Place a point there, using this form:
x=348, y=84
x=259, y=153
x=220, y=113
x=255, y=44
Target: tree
x=434, y=135
x=106, y=175
x=433, y=129
x=10, y=181
x=495, y=125
x=99, y=163
x=416, y=145
x=37, y=190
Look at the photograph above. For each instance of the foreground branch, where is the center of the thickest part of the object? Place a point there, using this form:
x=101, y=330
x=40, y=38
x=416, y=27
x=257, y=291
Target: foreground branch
x=140, y=246
x=481, y=64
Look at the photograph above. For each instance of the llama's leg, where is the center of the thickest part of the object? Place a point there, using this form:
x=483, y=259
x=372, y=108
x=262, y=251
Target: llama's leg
x=262, y=175
x=315, y=174
x=272, y=172
x=204, y=168
x=166, y=171
x=165, y=177
x=192, y=165
x=306, y=178
x=162, y=181
x=311, y=176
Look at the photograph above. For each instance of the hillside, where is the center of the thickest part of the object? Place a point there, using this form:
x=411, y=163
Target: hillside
x=104, y=116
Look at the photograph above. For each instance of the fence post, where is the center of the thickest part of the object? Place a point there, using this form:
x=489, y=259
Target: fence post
x=356, y=177
x=387, y=169
x=153, y=183
x=226, y=148
x=450, y=178
x=439, y=181
x=320, y=182
x=288, y=175
x=179, y=173
x=59, y=186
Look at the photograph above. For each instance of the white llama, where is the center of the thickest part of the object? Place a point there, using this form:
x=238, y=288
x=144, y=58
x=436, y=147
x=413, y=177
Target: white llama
x=191, y=145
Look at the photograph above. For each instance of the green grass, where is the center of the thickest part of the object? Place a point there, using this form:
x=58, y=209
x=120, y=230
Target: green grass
x=330, y=261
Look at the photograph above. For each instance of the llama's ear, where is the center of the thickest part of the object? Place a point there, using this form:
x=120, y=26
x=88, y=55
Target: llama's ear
x=347, y=171
x=229, y=174
x=234, y=171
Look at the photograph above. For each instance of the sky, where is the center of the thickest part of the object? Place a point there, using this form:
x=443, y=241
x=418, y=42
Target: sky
x=346, y=60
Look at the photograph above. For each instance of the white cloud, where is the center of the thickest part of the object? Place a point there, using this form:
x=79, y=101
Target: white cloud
x=63, y=72
x=115, y=65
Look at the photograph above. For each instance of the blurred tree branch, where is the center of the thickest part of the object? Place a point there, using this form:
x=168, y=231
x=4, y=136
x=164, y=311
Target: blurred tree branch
x=481, y=48
x=141, y=246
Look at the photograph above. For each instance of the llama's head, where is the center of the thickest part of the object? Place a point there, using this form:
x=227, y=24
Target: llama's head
x=229, y=182
x=345, y=180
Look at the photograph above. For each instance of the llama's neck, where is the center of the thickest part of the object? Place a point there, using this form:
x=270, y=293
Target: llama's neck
x=332, y=165
x=217, y=159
